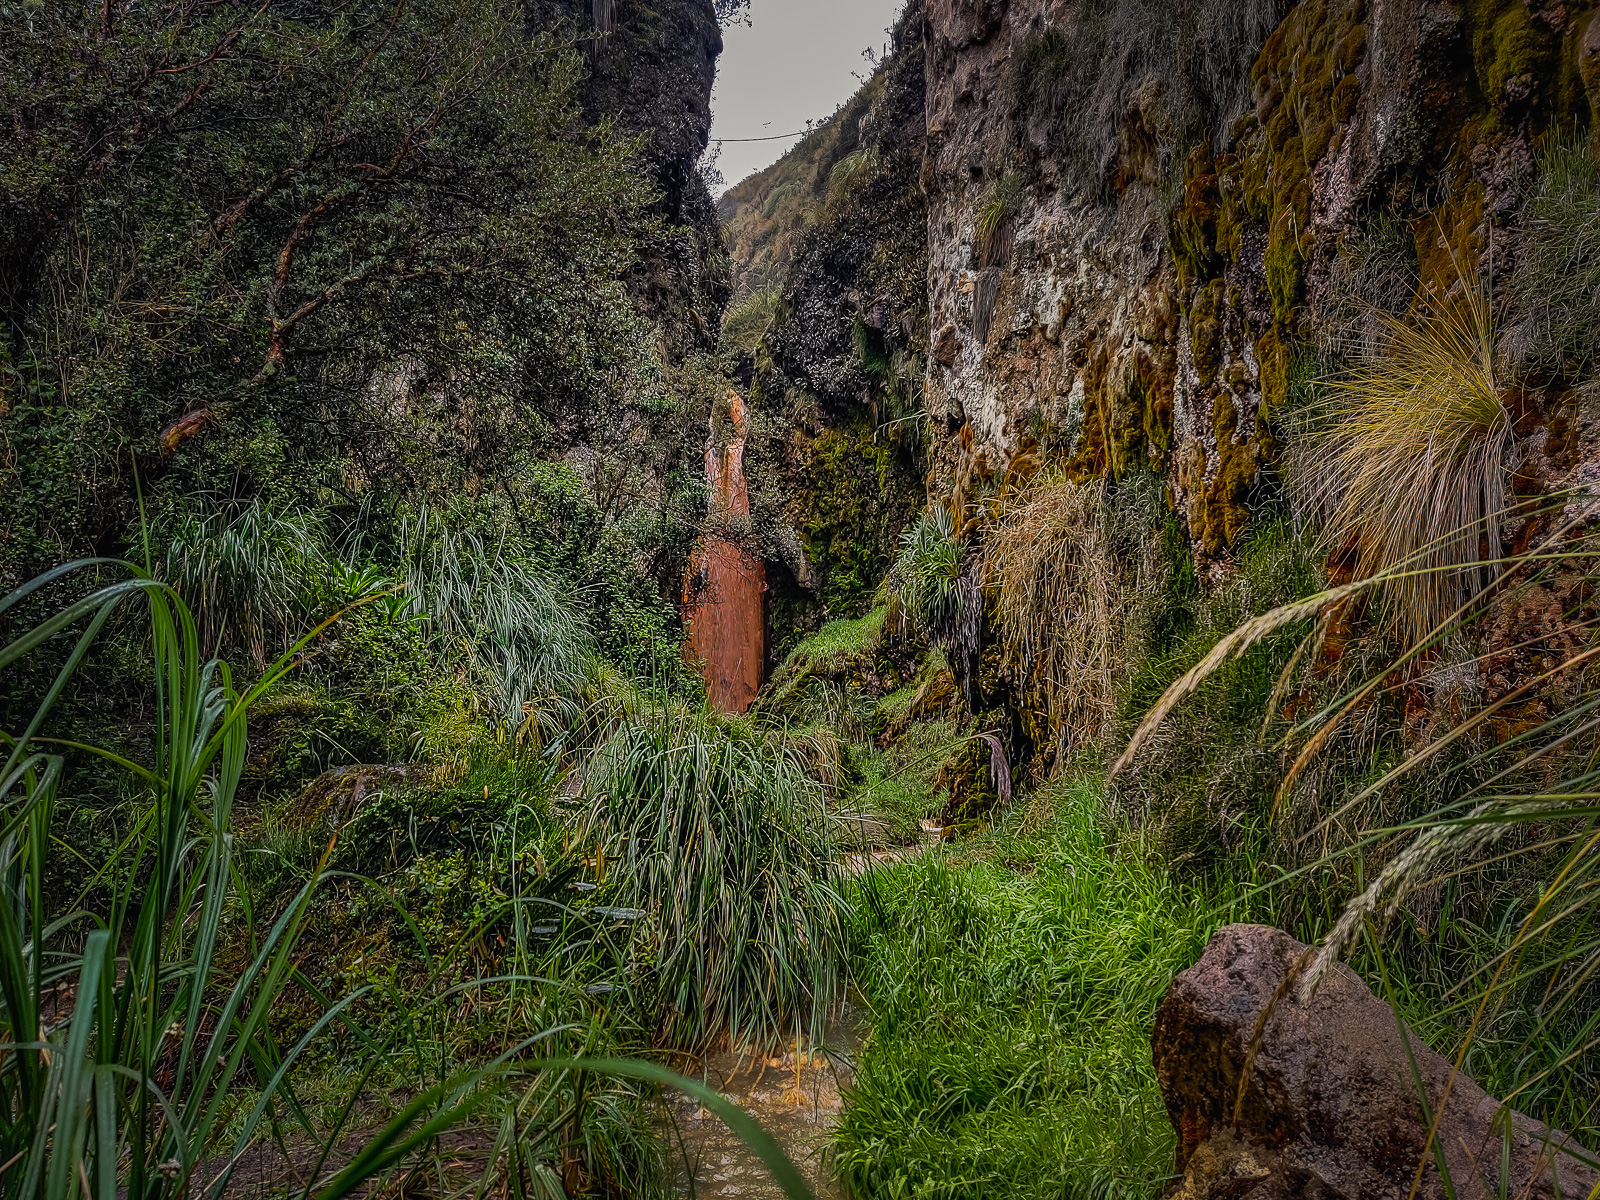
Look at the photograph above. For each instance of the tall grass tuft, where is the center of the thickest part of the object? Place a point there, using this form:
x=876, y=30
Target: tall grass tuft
x=723, y=843
x=994, y=217
x=926, y=577
x=851, y=174
x=1557, y=284
x=244, y=574
x=1510, y=783
x=522, y=629
x=1062, y=605
x=1409, y=467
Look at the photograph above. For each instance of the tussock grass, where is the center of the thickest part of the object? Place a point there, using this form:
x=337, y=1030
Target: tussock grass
x=1556, y=286
x=926, y=579
x=1499, y=815
x=1409, y=467
x=520, y=627
x=1061, y=605
x=722, y=841
x=851, y=173
x=244, y=572
x=747, y=321
x=1001, y=200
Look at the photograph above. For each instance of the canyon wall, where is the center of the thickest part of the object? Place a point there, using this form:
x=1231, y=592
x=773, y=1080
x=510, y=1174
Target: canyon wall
x=651, y=70
x=1145, y=222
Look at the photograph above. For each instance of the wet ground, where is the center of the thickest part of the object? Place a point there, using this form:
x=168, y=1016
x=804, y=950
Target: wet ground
x=795, y=1096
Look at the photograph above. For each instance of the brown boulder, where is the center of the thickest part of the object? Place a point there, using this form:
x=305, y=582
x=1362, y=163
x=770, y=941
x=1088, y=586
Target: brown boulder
x=1330, y=1110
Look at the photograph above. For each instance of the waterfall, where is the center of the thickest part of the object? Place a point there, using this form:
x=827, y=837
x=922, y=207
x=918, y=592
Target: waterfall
x=725, y=591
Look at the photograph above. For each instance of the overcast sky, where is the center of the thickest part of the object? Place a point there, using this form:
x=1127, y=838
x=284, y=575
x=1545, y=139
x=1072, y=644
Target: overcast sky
x=792, y=64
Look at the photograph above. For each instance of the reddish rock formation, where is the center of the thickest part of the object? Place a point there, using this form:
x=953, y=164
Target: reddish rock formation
x=1330, y=1109
x=724, y=592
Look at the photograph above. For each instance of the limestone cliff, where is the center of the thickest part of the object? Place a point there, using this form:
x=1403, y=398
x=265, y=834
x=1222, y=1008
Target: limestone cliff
x=1143, y=221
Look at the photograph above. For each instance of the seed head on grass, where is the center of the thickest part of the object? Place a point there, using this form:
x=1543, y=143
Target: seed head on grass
x=1409, y=467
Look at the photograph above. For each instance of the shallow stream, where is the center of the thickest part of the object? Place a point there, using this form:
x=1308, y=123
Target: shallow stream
x=795, y=1097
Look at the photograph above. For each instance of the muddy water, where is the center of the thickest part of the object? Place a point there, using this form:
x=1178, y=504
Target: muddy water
x=724, y=592
x=796, y=1099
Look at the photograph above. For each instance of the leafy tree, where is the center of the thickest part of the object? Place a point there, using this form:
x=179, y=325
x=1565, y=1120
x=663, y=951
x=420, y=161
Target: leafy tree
x=283, y=246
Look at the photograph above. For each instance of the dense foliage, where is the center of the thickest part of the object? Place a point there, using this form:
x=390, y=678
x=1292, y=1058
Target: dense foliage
x=309, y=258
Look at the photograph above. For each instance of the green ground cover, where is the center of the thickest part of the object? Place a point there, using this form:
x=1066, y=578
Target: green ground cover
x=1012, y=984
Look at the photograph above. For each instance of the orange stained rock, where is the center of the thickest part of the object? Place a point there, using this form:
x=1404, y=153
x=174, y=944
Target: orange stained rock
x=724, y=592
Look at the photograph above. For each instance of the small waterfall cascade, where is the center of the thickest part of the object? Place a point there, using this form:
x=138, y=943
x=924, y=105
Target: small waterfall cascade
x=724, y=592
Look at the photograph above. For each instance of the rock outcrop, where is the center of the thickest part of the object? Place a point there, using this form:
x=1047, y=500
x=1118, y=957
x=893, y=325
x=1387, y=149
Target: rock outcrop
x=1331, y=1107
x=651, y=69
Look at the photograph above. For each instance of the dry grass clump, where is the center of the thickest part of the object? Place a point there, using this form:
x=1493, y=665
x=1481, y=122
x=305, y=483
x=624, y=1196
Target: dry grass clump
x=1061, y=605
x=994, y=218
x=1409, y=467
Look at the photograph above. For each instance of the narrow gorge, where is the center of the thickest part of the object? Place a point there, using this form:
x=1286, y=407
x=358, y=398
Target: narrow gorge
x=1038, y=646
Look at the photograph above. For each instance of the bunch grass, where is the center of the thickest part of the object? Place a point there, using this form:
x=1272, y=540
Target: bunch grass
x=1524, y=801
x=1409, y=468
x=1061, y=605
x=523, y=630
x=926, y=579
x=721, y=841
x=1556, y=285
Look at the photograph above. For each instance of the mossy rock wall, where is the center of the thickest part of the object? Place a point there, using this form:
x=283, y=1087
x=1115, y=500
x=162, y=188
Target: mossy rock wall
x=1163, y=314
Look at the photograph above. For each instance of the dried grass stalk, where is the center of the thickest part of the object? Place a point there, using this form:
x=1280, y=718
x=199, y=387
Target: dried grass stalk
x=1232, y=646
x=1060, y=605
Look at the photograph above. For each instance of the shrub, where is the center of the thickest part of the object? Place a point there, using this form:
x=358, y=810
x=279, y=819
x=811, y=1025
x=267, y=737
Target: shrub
x=1408, y=468
x=723, y=843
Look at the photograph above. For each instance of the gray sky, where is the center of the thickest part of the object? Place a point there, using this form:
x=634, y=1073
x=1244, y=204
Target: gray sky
x=792, y=64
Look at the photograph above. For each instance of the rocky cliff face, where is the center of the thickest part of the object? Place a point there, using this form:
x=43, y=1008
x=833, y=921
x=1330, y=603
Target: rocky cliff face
x=834, y=236
x=652, y=67
x=1136, y=240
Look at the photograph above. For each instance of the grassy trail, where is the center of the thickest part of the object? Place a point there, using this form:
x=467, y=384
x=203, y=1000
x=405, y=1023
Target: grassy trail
x=1012, y=990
